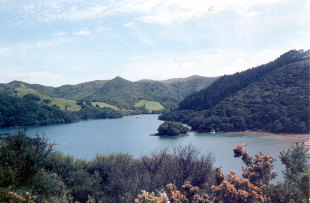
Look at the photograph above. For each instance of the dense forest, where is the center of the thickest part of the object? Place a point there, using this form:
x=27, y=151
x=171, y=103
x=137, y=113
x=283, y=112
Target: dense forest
x=230, y=84
x=31, y=171
x=273, y=97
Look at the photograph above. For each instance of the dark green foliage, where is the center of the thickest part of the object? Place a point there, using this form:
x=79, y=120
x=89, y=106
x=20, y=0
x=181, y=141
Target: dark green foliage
x=26, y=112
x=31, y=97
x=22, y=160
x=21, y=157
x=170, y=128
x=277, y=102
x=228, y=85
x=297, y=172
x=297, y=176
x=46, y=101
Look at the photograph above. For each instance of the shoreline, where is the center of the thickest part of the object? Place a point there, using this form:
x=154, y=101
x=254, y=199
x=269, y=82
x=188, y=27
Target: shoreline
x=188, y=133
x=305, y=138
x=294, y=137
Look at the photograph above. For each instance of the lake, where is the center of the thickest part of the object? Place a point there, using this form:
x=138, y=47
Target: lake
x=130, y=135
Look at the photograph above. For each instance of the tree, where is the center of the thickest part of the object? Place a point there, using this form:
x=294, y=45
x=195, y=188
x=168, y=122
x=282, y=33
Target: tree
x=296, y=174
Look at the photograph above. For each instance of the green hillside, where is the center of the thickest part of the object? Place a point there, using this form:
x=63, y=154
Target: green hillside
x=274, y=102
x=79, y=91
x=105, y=105
x=63, y=104
x=150, y=105
x=228, y=85
x=123, y=94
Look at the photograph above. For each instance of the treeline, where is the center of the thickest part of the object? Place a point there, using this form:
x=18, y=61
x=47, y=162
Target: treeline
x=28, y=111
x=30, y=171
x=30, y=165
x=277, y=102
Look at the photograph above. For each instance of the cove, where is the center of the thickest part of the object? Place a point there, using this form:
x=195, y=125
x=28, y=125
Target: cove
x=86, y=139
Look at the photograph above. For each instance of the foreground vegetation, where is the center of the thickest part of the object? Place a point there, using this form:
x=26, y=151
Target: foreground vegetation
x=31, y=171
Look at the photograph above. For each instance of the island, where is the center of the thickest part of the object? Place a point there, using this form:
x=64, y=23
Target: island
x=170, y=128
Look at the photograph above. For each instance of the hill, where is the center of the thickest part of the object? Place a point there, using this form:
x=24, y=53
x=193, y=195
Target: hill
x=125, y=94
x=273, y=97
x=122, y=93
x=228, y=85
x=26, y=104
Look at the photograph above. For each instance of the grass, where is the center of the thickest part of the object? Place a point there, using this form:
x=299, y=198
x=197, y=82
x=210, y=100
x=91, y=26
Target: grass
x=102, y=105
x=150, y=105
x=61, y=103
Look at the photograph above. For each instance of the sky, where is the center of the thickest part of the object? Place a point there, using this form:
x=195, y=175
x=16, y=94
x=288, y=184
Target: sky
x=57, y=42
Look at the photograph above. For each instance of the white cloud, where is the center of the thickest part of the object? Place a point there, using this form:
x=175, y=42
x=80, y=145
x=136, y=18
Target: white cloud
x=55, y=40
x=148, y=11
x=131, y=25
x=60, y=33
x=168, y=11
x=82, y=32
x=215, y=62
x=74, y=13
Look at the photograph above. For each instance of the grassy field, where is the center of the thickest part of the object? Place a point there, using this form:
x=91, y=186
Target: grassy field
x=61, y=103
x=150, y=105
x=102, y=105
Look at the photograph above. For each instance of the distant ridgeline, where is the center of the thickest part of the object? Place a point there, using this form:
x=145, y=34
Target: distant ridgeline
x=273, y=97
x=23, y=104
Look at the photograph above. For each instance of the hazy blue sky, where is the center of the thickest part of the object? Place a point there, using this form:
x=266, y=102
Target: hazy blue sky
x=56, y=42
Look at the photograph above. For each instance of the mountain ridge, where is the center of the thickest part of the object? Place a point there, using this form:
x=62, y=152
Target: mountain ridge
x=120, y=91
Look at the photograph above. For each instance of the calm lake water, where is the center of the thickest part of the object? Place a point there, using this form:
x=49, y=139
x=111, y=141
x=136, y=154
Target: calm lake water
x=130, y=135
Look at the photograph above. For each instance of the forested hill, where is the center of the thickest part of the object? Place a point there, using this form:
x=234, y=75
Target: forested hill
x=123, y=93
x=228, y=85
x=23, y=104
x=277, y=101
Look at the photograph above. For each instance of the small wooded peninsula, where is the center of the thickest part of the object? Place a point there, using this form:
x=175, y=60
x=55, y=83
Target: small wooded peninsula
x=170, y=128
